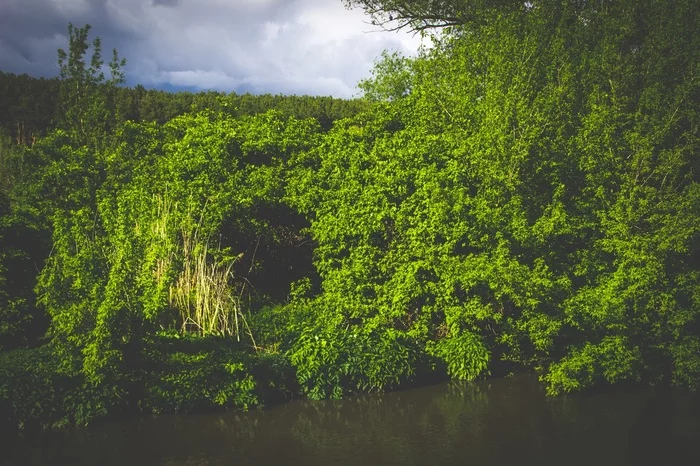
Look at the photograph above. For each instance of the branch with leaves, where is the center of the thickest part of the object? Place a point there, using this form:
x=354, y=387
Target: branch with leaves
x=422, y=15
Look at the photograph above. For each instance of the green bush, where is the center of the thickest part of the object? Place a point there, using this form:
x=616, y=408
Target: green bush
x=331, y=362
x=184, y=374
x=174, y=374
x=35, y=393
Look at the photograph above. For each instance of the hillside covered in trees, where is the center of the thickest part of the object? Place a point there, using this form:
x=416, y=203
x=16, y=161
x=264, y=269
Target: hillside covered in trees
x=522, y=196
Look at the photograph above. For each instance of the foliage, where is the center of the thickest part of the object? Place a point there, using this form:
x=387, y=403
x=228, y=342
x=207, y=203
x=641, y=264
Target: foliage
x=187, y=374
x=202, y=292
x=423, y=15
x=34, y=392
x=331, y=362
x=531, y=200
x=146, y=252
x=391, y=78
x=30, y=107
x=611, y=360
x=465, y=355
x=522, y=196
x=177, y=374
x=85, y=93
x=23, y=244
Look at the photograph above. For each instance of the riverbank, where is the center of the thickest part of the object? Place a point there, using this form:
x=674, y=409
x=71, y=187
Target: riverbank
x=174, y=374
x=490, y=422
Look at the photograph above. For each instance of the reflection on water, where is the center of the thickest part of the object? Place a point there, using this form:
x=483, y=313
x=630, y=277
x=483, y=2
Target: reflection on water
x=496, y=422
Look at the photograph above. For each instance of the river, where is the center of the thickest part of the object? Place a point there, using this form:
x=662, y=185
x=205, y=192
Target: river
x=505, y=421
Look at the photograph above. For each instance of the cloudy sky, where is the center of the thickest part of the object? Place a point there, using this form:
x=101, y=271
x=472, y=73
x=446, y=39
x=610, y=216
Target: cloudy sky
x=314, y=47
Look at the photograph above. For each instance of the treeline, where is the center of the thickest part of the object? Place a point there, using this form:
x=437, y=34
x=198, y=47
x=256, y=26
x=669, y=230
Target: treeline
x=524, y=196
x=29, y=107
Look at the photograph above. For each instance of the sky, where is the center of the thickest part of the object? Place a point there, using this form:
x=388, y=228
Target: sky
x=310, y=47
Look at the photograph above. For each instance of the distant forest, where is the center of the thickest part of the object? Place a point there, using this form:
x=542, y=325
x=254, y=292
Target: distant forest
x=30, y=106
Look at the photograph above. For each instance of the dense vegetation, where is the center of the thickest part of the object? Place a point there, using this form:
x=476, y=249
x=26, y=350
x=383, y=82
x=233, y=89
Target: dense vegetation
x=29, y=107
x=524, y=195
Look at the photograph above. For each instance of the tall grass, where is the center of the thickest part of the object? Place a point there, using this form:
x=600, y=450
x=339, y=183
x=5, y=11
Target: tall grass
x=203, y=292
x=203, y=289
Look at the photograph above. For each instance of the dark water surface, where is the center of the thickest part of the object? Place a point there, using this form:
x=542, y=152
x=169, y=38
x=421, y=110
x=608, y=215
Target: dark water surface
x=496, y=422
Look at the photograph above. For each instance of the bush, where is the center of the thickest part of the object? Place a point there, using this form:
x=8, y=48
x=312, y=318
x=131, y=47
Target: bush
x=175, y=374
x=34, y=393
x=186, y=374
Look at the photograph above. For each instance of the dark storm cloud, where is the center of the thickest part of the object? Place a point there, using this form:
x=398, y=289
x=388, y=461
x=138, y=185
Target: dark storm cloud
x=277, y=46
x=31, y=31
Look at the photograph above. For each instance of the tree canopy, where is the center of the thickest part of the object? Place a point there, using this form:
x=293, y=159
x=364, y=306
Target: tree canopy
x=522, y=204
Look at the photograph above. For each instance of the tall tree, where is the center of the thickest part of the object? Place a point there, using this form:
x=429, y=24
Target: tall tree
x=85, y=92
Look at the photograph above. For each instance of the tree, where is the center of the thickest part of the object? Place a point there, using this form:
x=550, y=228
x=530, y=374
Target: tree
x=391, y=78
x=532, y=202
x=85, y=94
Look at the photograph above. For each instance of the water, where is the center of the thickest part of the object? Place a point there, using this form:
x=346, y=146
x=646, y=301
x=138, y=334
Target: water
x=496, y=422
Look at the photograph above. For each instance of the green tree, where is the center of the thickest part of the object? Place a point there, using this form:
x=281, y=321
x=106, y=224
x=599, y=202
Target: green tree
x=158, y=239
x=532, y=203
x=391, y=78
x=87, y=96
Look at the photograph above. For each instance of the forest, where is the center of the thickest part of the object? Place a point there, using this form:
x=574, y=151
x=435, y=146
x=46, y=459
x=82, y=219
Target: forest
x=523, y=196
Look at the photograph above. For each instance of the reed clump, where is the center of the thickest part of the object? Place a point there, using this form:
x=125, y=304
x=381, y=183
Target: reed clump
x=204, y=292
x=199, y=279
